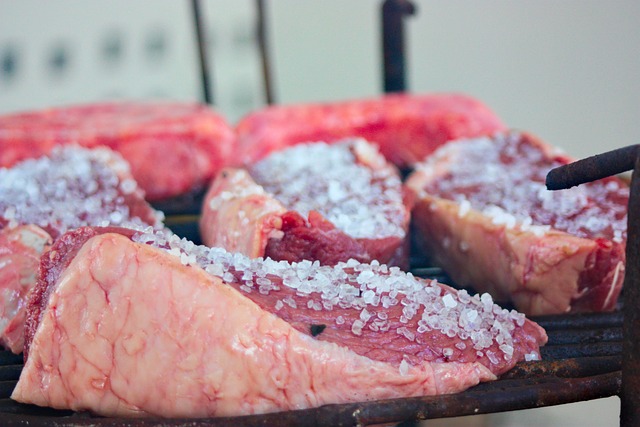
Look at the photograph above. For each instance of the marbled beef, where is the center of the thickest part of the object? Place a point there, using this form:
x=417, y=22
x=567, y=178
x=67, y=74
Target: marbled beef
x=313, y=201
x=145, y=324
x=484, y=214
x=406, y=127
x=190, y=140
x=42, y=198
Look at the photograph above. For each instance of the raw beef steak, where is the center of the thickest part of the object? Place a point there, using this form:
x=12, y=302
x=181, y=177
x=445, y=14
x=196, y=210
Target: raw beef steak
x=173, y=148
x=126, y=325
x=484, y=214
x=312, y=201
x=406, y=127
x=43, y=198
x=20, y=250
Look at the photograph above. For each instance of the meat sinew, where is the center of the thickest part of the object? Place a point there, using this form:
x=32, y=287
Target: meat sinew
x=212, y=333
x=43, y=198
x=406, y=127
x=484, y=214
x=153, y=137
x=313, y=201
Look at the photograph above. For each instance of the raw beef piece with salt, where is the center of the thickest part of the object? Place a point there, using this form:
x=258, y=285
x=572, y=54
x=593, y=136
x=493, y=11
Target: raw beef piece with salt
x=406, y=127
x=484, y=214
x=173, y=147
x=219, y=334
x=313, y=201
x=43, y=198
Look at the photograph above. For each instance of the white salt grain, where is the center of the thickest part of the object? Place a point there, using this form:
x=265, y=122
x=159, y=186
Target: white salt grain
x=354, y=286
x=511, y=173
x=362, y=202
x=71, y=188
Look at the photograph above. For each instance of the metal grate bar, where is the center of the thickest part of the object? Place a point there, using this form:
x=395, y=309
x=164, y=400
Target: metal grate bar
x=207, y=95
x=393, y=45
x=590, y=169
x=263, y=46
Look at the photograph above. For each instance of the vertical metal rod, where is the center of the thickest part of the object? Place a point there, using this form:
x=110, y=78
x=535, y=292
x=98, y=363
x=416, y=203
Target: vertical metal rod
x=393, y=43
x=630, y=390
x=207, y=96
x=264, y=51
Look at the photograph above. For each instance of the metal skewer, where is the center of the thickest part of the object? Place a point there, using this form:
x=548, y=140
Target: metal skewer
x=590, y=169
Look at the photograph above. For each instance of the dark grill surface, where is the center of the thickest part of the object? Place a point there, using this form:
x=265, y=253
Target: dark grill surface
x=582, y=361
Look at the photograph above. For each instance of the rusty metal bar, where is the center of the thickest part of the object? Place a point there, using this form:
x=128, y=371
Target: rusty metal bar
x=590, y=169
x=567, y=368
x=581, y=350
x=630, y=393
x=8, y=358
x=593, y=168
x=10, y=372
x=511, y=395
x=207, y=95
x=582, y=320
x=585, y=336
x=393, y=44
x=263, y=46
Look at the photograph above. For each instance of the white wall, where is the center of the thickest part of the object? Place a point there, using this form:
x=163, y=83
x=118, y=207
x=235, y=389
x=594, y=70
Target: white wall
x=566, y=71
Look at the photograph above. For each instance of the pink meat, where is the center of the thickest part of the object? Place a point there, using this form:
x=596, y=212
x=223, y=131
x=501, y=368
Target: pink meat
x=406, y=127
x=153, y=137
x=42, y=198
x=215, y=339
x=239, y=215
x=313, y=201
x=484, y=214
x=20, y=250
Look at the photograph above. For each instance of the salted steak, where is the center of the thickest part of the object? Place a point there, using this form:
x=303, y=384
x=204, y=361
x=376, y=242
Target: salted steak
x=40, y=199
x=484, y=214
x=315, y=201
x=406, y=127
x=213, y=334
x=190, y=140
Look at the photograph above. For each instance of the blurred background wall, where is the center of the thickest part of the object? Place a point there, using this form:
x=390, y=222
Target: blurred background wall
x=566, y=71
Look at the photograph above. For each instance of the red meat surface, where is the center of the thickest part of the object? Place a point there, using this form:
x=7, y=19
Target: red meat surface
x=190, y=140
x=227, y=335
x=313, y=201
x=484, y=214
x=42, y=198
x=20, y=250
x=406, y=127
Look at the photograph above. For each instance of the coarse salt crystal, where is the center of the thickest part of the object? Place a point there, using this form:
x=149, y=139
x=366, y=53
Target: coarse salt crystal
x=449, y=301
x=474, y=319
x=358, y=200
x=529, y=357
x=60, y=191
x=511, y=170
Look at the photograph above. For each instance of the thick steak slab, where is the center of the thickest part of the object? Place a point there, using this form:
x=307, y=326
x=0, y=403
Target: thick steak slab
x=313, y=201
x=159, y=326
x=406, y=127
x=42, y=198
x=484, y=214
x=173, y=148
